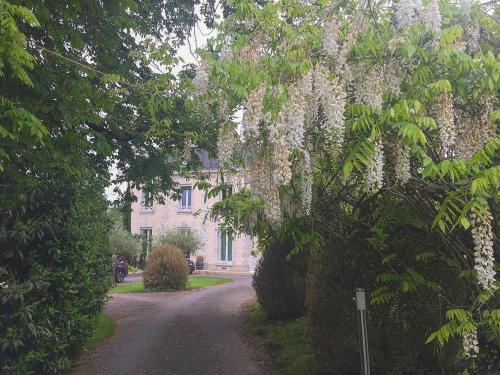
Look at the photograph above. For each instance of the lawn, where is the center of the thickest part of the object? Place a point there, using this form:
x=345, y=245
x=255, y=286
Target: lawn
x=104, y=328
x=288, y=339
x=195, y=282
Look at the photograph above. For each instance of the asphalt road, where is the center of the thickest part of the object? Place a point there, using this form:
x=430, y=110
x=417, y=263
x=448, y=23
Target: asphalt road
x=183, y=333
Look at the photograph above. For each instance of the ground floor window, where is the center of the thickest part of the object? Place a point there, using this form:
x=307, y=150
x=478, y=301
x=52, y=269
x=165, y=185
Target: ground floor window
x=225, y=245
x=147, y=239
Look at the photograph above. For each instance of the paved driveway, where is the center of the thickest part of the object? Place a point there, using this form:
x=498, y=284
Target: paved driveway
x=184, y=333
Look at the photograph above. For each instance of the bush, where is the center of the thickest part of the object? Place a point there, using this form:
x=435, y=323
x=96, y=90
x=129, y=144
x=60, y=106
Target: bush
x=54, y=269
x=121, y=242
x=280, y=283
x=397, y=328
x=166, y=269
x=183, y=238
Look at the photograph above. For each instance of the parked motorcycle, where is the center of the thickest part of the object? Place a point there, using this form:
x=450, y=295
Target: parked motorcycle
x=120, y=266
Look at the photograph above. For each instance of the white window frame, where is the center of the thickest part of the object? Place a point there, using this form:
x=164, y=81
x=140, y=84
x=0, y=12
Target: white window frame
x=148, y=238
x=189, y=208
x=144, y=197
x=219, y=247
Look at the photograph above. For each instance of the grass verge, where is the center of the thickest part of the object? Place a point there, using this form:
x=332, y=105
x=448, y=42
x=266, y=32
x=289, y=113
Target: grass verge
x=288, y=340
x=104, y=328
x=195, y=282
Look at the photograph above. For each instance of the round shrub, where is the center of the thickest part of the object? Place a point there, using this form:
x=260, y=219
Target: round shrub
x=166, y=269
x=280, y=283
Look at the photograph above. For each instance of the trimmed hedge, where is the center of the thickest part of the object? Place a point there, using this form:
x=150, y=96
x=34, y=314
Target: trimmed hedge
x=280, y=283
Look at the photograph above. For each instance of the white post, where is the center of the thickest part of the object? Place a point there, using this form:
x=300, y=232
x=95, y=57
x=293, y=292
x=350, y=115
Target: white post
x=363, y=331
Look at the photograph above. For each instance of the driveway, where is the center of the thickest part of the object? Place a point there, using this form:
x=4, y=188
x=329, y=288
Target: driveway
x=184, y=333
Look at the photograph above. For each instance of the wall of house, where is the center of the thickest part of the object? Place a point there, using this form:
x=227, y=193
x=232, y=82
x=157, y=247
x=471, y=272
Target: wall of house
x=169, y=215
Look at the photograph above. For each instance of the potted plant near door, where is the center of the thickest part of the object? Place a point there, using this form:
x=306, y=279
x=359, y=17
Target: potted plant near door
x=199, y=262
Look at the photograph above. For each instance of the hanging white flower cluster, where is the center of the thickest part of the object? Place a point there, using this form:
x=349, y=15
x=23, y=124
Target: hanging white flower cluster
x=393, y=77
x=484, y=260
x=201, y=78
x=431, y=17
x=475, y=130
x=278, y=137
x=402, y=163
x=226, y=143
x=369, y=88
x=254, y=113
x=295, y=113
x=252, y=52
x=330, y=37
x=375, y=173
x=470, y=343
x=332, y=96
x=407, y=12
x=306, y=182
x=445, y=120
x=272, y=206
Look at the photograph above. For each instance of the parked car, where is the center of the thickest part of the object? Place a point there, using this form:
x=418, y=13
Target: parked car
x=120, y=266
x=190, y=265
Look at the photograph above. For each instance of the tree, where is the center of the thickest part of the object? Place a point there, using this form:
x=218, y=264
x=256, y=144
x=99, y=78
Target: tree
x=184, y=239
x=120, y=240
x=399, y=97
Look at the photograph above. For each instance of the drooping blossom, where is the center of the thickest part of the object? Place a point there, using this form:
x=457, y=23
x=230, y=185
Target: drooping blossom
x=226, y=143
x=254, y=113
x=306, y=182
x=445, y=121
x=431, y=17
x=295, y=114
x=402, y=163
x=484, y=260
x=330, y=37
x=369, y=88
x=406, y=12
x=375, y=173
x=470, y=344
x=393, y=77
x=201, y=78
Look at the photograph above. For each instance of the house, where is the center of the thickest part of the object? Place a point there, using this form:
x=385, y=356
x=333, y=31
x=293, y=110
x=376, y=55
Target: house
x=220, y=250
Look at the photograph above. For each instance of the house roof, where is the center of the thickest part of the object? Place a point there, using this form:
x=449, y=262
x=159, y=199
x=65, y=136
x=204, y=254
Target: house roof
x=207, y=162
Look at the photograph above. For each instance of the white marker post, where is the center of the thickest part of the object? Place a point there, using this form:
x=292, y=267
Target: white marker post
x=363, y=331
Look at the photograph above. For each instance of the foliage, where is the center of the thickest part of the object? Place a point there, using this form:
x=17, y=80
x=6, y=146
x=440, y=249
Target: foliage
x=55, y=270
x=184, y=239
x=194, y=282
x=166, y=269
x=280, y=282
x=358, y=102
x=288, y=339
x=120, y=240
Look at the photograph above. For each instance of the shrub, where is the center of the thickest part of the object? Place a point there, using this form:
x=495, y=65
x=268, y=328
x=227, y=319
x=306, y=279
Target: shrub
x=54, y=269
x=280, y=283
x=397, y=328
x=121, y=242
x=166, y=269
x=183, y=238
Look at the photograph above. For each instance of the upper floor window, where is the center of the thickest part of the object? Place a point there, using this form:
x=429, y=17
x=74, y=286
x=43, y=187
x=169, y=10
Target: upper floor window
x=186, y=198
x=147, y=201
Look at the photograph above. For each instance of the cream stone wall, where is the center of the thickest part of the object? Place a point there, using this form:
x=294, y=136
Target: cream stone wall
x=168, y=215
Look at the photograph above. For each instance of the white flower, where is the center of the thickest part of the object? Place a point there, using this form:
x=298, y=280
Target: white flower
x=375, y=173
x=201, y=78
x=482, y=235
x=369, y=88
x=445, y=123
x=226, y=143
x=470, y=343
x=393, y=76
x=306, y=182
x=431, y=17
x=402, y=163
x=295, y=113
x=254, y=113
x=407, y=12
x=330, y=37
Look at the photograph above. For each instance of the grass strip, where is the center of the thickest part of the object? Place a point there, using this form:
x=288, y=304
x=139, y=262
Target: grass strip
x=288, y=340
x=195, y=282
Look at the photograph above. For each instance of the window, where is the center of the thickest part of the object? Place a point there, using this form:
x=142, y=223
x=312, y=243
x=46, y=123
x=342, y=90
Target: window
x=225, y=245
x=186, y=193
x=147, y=239
x=147, y=201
